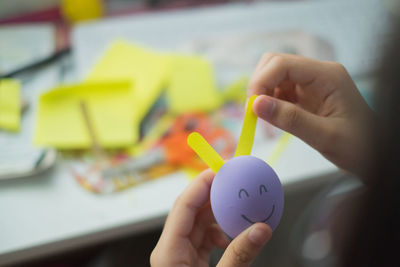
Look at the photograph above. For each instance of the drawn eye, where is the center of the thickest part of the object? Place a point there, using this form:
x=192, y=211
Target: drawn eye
x=241, y=192
x=263, y=188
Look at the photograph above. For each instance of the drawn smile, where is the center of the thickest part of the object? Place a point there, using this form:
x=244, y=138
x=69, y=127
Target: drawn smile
x=265, y=220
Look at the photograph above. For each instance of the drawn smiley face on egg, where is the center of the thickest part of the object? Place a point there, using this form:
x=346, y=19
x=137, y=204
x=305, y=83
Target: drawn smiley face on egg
x=246, y=190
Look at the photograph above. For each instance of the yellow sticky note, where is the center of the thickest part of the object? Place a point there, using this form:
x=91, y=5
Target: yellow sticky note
x=246, y=139
x=205, y=151
x=192, y=85
x=60, y=122
x=10, y=104
x=148, y=71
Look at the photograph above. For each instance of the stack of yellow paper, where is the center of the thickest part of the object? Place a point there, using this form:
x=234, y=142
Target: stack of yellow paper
x=148, y=71
x=121, y=89
x=10, y=104
x=60, y=122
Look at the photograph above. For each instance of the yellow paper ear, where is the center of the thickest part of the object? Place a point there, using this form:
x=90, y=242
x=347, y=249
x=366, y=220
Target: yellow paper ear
x=205, y=151
x=246, y=139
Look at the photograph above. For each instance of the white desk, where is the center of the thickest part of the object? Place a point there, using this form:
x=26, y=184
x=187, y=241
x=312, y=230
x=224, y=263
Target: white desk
x=51, y=213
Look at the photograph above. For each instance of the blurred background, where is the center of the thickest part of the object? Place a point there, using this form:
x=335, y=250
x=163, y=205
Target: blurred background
x=97, y=98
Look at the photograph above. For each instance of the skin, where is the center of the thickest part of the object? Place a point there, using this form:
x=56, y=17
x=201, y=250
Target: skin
x=316, y=101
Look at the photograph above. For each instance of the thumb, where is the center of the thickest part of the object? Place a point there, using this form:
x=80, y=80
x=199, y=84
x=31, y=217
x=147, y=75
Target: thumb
x=245, y=247
x=291, y=118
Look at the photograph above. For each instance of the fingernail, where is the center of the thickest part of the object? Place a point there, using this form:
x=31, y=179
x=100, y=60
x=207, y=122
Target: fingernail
x=258, y=235
x=266, y=107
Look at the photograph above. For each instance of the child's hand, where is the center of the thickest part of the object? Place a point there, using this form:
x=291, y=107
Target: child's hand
x=190, y=233
x=316, y=101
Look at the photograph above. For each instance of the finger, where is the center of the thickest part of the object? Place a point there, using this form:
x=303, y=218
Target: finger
x=204, y=219
x=181, y=219
x=214, y=238
x=264, y=60
x=245, y=247
x=286, y=94
x=217, y=236
x=293, y=119
x=284, y=67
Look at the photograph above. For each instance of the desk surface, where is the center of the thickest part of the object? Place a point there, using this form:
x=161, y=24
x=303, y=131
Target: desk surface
x=50, y=213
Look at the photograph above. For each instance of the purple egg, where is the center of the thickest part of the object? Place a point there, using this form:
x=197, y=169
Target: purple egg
x=246, y=190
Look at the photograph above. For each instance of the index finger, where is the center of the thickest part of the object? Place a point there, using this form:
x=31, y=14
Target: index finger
x=181, y=219
x=274, y=69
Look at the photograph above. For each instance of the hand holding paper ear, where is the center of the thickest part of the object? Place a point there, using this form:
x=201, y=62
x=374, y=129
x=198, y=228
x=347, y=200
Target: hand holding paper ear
x=316, y=101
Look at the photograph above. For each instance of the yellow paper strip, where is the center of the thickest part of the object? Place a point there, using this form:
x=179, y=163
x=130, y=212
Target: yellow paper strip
x=205, y=151
x=10, y=104
x=246, y=139
x=280, y=147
